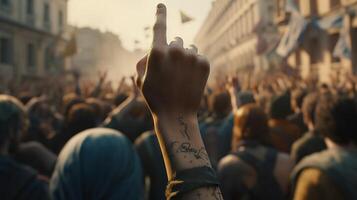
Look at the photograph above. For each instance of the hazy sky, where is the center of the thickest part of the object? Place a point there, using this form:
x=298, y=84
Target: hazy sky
x=128, y=18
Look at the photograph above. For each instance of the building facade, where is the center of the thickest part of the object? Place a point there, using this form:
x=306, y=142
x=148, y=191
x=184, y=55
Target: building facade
x=32, y=35
x=314, y=56
x=228, y=36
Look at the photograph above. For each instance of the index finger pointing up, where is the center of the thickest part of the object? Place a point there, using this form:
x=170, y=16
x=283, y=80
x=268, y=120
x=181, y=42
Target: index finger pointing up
x=160, y=26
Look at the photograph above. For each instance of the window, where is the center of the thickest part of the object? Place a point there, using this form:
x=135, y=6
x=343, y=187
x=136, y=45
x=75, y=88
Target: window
x=46, y=17
x=5, y=3
x=60, y=20
x=46, y=13
x=31, y=55
x=30, y=7
x=5, y=51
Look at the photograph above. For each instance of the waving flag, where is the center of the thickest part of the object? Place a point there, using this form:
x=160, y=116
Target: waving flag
x=185, y=18
x=293, y=35
x=343, y=47
x=334, y=21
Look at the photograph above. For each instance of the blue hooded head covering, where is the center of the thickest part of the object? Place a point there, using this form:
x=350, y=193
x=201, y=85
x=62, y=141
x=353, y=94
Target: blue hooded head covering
x=97, y=163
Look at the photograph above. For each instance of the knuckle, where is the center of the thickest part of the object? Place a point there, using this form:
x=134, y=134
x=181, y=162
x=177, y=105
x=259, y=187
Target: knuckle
x=176, y=51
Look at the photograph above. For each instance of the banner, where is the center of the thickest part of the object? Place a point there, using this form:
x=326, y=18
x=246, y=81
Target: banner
x=343, y=47
x=293, y=35
x=185, y=18
x=334, y=21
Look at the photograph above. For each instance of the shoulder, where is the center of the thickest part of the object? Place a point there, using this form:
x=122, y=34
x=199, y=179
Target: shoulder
x=315, y=184
x=232, y=166
x=144, y=137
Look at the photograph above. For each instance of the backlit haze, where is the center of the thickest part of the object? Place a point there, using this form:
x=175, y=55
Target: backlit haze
x=127, y=18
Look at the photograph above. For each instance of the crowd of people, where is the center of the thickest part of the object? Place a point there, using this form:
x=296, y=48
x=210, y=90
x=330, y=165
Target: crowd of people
x=167, y=135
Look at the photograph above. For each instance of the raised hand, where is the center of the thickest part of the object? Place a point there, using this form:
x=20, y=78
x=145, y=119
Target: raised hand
x=102, y=76
x=171, y=78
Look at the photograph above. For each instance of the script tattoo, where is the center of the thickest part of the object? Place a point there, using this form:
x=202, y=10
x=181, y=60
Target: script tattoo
x=190, y=152
x=184, y=125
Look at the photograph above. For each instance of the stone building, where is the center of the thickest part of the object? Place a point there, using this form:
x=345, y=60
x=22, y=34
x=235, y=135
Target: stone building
x=314, y=56
x=228, y=37
x=32, y=37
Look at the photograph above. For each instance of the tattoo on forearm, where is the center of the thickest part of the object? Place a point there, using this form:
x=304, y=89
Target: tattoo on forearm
x=191, y=153
x=184, y=131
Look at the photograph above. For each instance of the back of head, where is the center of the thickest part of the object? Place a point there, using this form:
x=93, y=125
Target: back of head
x=250, y=123
x=280, y=107
x=97, y=164
x=70, y=100
x=80, y=117
x=221, y=104
x=336, y=119
x=12, y=118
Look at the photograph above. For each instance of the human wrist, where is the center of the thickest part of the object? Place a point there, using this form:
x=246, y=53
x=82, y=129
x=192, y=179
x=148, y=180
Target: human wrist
x=181, y=138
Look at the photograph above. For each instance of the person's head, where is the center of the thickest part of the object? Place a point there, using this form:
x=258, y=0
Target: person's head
x=70, y=100
x=221, y=104
x=309, y=108
x=297, y=98
x=280, y=107
x=98, y=108
x=13, y=122
x=41, y=119
x=80, y=117
x=250, y=123
x=336, y=119
x=97, y=164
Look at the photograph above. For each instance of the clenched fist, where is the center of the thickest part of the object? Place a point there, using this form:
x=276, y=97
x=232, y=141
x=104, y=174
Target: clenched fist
x=171, y=78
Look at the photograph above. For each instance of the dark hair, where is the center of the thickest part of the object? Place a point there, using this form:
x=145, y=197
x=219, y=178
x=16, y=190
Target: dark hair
x=12, y=117
x=309, y=107
x=280, y=107
x=250, y=123
x=70, y=100
x=222, y=104
x=336, y=119
x=80, y=117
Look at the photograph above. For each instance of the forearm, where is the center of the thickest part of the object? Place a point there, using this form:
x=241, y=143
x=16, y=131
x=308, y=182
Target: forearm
x=97, y=90
x=182, y=148
x=120, y=111
x=233, y=95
